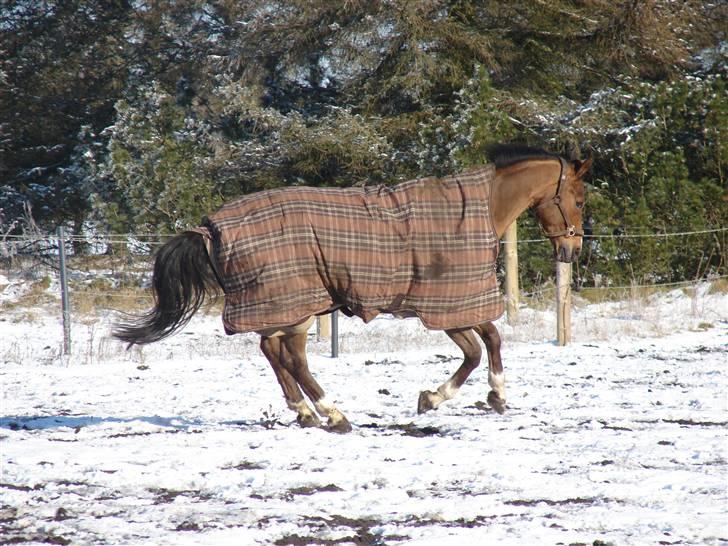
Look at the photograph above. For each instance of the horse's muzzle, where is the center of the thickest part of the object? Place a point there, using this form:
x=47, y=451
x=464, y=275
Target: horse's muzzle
x=568, y=255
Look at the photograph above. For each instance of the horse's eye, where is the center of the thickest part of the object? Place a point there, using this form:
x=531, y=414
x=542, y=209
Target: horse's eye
x=579, y=204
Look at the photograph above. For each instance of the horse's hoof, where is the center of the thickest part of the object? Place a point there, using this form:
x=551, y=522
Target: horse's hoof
x=308, y=420
x=496, y=402
x=426, y=401
x=342, y=426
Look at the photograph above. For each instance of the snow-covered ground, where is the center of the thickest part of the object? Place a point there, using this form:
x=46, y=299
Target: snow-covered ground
x=618, y=438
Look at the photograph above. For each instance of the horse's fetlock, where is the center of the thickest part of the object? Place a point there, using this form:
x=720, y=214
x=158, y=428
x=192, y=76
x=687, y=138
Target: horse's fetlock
x=447, y=390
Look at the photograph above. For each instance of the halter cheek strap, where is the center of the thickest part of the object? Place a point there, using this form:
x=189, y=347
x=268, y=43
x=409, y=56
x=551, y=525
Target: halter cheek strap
x=570, y=230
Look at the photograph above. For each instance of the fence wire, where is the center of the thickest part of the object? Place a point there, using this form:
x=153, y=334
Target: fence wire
x=109, y=271
x=128, y=254
x=157, y=238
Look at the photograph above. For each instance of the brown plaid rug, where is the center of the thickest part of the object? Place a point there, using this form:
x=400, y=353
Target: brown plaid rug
x=422, y=248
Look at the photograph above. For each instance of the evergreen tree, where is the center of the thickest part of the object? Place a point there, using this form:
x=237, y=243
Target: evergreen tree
x=61, y=74
x=146, y=115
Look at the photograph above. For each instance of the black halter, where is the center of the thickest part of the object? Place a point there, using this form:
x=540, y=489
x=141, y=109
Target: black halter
x=570, y=230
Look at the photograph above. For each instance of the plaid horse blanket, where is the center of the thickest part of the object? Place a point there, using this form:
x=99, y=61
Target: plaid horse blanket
x=423, y=248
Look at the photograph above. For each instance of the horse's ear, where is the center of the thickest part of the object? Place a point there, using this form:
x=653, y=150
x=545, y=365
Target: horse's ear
x=581, y=167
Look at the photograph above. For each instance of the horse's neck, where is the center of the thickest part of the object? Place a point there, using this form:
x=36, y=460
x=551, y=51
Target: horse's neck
x=517, y=187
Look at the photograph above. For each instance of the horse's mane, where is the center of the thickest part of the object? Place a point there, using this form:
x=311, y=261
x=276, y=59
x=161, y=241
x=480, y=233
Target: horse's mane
x=504, y=155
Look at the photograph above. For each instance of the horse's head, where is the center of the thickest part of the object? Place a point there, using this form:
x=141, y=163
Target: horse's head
x=560, y=214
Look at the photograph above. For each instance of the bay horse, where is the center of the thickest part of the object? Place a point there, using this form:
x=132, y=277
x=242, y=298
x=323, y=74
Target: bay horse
x=422, y=248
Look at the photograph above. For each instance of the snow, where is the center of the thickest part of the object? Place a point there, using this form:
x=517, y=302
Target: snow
x=620, y=437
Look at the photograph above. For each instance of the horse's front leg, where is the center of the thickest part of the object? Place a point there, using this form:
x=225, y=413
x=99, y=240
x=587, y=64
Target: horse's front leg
x=273, y=351
x=496, y=379
x=472, y=353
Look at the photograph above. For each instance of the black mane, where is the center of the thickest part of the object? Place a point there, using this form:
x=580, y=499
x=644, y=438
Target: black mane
x=504, y=155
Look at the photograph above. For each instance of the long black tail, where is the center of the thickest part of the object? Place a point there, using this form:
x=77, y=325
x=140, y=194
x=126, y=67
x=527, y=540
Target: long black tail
x=183, y=278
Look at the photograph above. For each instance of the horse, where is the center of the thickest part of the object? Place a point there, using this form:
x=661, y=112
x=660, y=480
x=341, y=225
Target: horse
x=423, y=248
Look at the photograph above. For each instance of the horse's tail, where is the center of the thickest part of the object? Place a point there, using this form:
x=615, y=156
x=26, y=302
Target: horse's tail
x=183, y=278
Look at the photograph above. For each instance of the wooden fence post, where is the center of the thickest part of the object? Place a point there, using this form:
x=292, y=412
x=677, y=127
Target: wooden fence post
x=323, y=323
x=510, y=247
x=563, y=303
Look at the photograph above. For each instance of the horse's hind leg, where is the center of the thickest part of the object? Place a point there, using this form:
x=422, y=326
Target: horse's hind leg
x=496, y=379
x=472, y=353
x=295, y=363
x=272, y=349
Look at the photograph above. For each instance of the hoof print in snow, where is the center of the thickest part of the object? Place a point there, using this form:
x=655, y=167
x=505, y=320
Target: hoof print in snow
x=410, y=429
x=61, y=515
x=313, y=489
x=189, y=526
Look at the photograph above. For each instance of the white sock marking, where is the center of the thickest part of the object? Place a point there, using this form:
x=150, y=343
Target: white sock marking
x=324, y=407
x=447, y=390
x=497, y=382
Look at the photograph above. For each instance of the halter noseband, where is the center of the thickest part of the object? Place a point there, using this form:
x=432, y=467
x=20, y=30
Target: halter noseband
x=570, y=230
